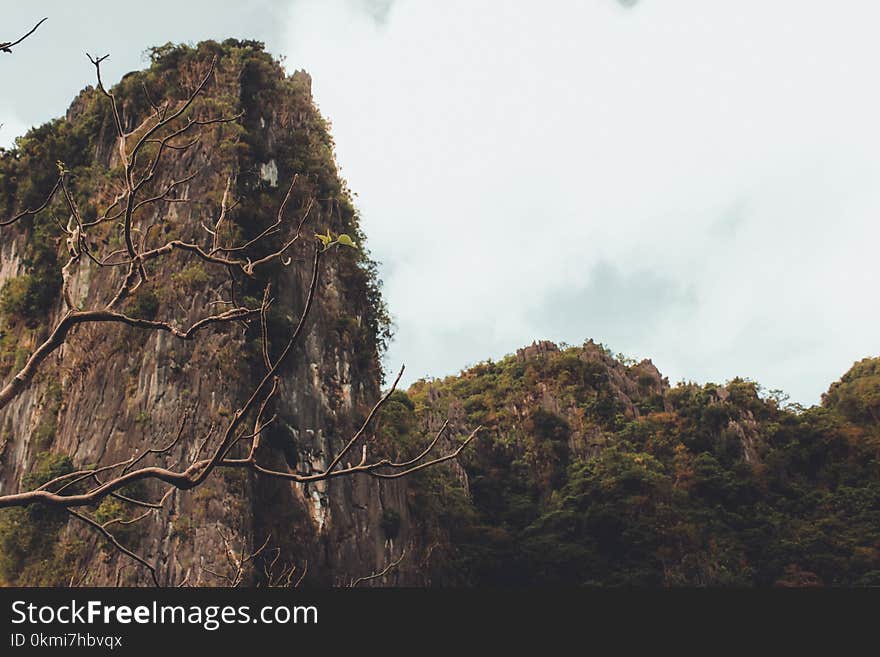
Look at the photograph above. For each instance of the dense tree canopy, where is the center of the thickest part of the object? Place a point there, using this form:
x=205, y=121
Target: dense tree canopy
x=593, y=474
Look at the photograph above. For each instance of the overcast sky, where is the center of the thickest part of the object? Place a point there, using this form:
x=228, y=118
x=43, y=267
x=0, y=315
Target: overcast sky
x=692, y=181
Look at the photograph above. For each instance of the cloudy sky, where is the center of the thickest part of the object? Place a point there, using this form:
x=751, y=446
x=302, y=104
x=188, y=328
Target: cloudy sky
x=692, y=181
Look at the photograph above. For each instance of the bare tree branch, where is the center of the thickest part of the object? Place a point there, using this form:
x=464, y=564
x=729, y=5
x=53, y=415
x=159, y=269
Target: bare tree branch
x=74, y=318
x=391, y=566
x=37, y=210
x=170, y=129
x=119, y=546
x=7, y=46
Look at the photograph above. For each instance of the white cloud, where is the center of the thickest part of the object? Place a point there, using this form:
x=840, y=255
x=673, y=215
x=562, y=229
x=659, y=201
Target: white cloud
x=688, y=180
x=506, y=154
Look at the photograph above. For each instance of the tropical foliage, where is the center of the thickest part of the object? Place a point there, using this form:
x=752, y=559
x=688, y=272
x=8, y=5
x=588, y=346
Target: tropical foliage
x=594, y=472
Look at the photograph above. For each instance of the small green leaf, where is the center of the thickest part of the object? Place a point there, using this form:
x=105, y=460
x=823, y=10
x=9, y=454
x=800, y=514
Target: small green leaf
x=325, y=239
x=345, y=240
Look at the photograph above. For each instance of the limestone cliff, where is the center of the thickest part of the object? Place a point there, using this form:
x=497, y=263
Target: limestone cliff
x=590, y=468
x=593, y=470
x=113, y=391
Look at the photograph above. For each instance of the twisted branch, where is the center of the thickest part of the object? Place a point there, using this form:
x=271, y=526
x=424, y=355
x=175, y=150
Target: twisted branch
x=164, y=129
x=7, y=46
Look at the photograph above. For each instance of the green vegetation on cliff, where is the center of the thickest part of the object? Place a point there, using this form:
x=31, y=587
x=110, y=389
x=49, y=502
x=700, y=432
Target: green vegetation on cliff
x=248, y=83
x=248, y=160
x=593, y=471
x=31, y=552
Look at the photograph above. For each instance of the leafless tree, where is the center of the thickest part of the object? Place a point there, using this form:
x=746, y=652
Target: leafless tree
x=381, y=573
x=238, y=560
x=169, y=131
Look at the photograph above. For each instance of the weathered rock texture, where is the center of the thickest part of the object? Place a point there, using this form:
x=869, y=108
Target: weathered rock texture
x=593, y=470
x=114, y=391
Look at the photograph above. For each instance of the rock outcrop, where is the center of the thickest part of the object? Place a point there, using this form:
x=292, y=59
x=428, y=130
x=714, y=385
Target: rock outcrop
x=114, y=391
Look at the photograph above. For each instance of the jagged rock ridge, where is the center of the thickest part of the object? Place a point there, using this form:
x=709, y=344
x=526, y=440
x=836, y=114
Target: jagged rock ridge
x=593, y=470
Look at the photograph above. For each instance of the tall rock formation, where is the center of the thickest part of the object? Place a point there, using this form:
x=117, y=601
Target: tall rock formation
x=592, y=470
x=113, y=391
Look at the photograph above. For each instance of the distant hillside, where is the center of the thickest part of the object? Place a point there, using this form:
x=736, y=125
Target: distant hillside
x=594, y=471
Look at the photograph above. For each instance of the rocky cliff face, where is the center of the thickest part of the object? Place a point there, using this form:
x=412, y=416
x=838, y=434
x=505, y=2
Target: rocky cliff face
x=113, y=391
x=593, y=470
x=588, y=387
x=590, y=469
